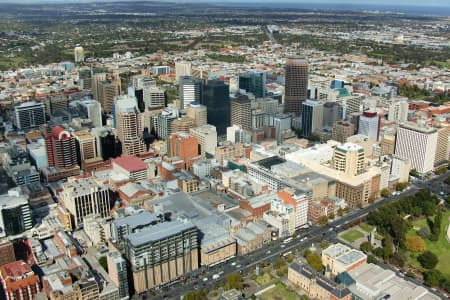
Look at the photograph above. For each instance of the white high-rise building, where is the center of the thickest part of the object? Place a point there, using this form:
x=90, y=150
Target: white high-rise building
x=190, y=91
x=369, y=125
x=29, y=115
x=94, y=111
x=207, y=138
x=78, y=54
x=398, y=111
x=183, y=68
x=154, y=97
x=418, y=143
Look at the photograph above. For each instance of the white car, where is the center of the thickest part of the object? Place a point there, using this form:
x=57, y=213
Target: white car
x=233, y=264
x=205, y=279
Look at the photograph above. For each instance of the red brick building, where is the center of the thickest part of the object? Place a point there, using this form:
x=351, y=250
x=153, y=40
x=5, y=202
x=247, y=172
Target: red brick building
x=19, y=281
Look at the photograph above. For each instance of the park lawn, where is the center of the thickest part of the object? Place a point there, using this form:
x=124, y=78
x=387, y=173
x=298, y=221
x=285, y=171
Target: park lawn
x=263, y=279
x=280, y=292
x=352, y=235
x=366, y=227
x=441, y=247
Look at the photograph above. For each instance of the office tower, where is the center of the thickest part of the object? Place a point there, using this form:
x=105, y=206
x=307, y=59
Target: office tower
x=78, y=54
x=61, y=148
x=253, y=82
x=154, y=97
x=190, y=91
x=96, y=79
x=118, y=272
x=55, y=103
x=197, y=112
x=398, y=111
x=139, y=82
x=236, y=134
x=15, y=213
x=164, y=122
x=241, y=111
x=182, y=124
x=349, y=159
x=342, y=130
x=129, y=125
x=86, y=145
x=83, y=196
x=152, y=264
x=417, y=143
x=107, y=144
x=182, y=68
x=216, y=97
x=296, y=84
x=281, y=123
x=312, y=117
x=85, y=78
x=332, y=112
x=19, y=281
x=443, y=146
x=182, y=145
x=93, y=110
x=29, y=115
x=207, y=138
x=369, y=125
x=107, y=91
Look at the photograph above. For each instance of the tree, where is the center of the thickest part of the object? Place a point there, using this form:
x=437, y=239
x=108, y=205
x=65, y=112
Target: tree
x=331, y=216
x=340, y=212
x=424, y=232
x=433, y=277
x=323, y=220
x=388, y=247
x=428, y=260
x=366, y=247
x=445, y=284
x=307, y=252
x=436, y=228
x=324, y=244
x=315, y=261
x=385, y=192
x=372, y=259
x=103, y=262
x=372, y=199
x=397, y=259
x=401, y=186
x=415, y=244
x=195, y=295
x=279, y=263
x=414, y=173
x=234, y=281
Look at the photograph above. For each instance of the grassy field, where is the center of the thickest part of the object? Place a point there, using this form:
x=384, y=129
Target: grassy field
x=280, y=292
x=352, y=235
x=366, y=227
x=441, y=247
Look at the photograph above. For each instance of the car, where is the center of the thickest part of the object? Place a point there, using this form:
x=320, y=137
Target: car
x=268, y=252
x=233, y=263
x=282, y=246
x=215, y=276
x=205, y=279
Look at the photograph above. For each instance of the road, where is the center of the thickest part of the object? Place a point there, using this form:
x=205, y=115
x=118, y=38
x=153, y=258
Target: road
x=305, y=238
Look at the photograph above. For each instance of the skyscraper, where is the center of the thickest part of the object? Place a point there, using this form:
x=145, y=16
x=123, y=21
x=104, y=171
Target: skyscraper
x=78, y=54
x=312, y=117
x=61, y=148
x=369, y=125
x=216, y=97
x=154, y=97
x=190, y=91
x=29, y=115
x=15, y=213
x=253, y=82
x=349, y=159
x=198, y=113
x=342, y=130
x=296, y=84
x=241, y=111
x=129, y=125
x=182, y=145
x=108, y=89
x=95, y=85
x=182, y=68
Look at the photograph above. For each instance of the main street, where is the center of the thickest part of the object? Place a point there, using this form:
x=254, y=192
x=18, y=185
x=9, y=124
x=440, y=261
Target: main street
x=202, y=278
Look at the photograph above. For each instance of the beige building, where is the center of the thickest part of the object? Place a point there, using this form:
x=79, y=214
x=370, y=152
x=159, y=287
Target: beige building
x=107, y=91
x=443, y=146
x=339, y=258
x=349, y=159
x=86, y=144
x=342, y=130
x=183, y=124
x=227, y=152
x=207, y=138
x=198, y=113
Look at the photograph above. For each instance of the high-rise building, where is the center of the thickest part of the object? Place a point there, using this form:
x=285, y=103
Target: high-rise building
x=15, y=213
x=369, y=125
x=182, y=145
x=19, y=281
x=312, y=117
x=207, y=138
x=140, y=82
x=29, y=115
x=118, y=272
x=108, y=90
x=342, y=130
x=349, y=159
x=154, y=97
x=162, y=253
x=417, y=143
x=107, y=144
x=61, y=148
x=198, y=113
x=241, y=110
x=78, y=54
x=129, y=125
x=332, y=112
x=164, y=122
x=85, y=78
x=216, y=97
x=282, y=123
x=296, y=84
x=190, y=91
x=183, y=124
x=182, y=68
x=398, y=111
x=91, y=109
x=96, y=79
x=84, y=196
x=442, y=156
x=86, y=145
x=253, y=82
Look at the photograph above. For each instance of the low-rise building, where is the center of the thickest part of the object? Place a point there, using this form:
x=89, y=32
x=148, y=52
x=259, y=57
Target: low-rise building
x=339, y=258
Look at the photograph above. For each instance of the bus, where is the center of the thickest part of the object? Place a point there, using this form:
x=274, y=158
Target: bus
x=288, y=240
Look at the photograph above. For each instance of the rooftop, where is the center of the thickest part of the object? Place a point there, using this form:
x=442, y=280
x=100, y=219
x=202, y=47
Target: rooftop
x=130, y=163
